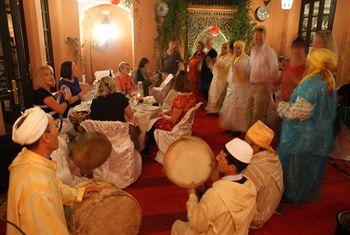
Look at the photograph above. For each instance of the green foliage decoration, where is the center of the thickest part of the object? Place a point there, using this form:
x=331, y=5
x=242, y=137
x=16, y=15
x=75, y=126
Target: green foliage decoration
x=174, y=25
x=242, y=24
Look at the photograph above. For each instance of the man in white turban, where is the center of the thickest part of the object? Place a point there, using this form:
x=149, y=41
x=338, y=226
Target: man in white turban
x=35, y=196
x=229, y=206
x=265, y=171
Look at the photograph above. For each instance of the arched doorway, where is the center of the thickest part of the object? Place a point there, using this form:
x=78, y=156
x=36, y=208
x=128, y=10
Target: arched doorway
x=107, y=37
x=218, y=40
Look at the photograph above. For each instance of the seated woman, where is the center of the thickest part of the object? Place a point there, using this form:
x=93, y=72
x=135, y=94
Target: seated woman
x=123, y=81
x=185, y=100
x=42, y=97
x=69, y=80
x=110, y=105
x=143, y=75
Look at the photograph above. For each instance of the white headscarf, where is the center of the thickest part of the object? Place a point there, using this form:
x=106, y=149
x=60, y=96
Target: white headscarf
x=32, y=128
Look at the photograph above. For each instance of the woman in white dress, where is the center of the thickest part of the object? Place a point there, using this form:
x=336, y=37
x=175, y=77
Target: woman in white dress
x=218, y=84
x=235, y=114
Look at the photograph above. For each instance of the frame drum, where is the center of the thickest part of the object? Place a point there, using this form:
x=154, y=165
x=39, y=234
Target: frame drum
x=111, y=211
x=189, y=162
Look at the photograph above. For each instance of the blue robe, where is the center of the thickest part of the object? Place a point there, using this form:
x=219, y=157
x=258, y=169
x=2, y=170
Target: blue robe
x=305, y=145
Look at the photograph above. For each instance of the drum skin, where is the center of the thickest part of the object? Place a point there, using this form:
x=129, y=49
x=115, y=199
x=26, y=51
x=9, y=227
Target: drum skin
x=111, y=211
x=189, y=162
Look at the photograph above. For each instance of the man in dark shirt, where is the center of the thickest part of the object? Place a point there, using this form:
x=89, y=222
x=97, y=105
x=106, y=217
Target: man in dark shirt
x=207, y=66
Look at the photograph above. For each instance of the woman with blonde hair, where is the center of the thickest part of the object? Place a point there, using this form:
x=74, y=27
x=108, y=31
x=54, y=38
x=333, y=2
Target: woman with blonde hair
x=218, y=84
x=307, y=131
x=42, y=97
x=123, y=81
x=235, y=114
x=110, y=105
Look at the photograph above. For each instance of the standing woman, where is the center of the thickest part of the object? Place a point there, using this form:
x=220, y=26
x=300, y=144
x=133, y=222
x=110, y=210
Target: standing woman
x=69, y=80
x=207, y=67
x=307, y=131
x=195, y=64
x=218, y=84
x=171, y=59
x=143, y=75
x=123, y=81
x=235, y=114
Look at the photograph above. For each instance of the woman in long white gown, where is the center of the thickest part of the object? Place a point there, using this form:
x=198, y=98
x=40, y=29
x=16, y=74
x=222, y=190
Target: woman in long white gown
x=235, y=114
x=218, y=84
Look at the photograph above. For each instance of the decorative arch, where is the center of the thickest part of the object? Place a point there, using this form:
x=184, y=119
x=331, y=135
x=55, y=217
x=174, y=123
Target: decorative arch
x=201, y=19
x=218, y=40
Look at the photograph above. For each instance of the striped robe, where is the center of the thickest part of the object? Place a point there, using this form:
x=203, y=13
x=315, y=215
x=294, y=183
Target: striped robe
x=265, y=171
x=36, y=197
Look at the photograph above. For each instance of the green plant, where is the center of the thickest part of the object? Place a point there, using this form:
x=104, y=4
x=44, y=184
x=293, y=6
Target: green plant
x=174, y=25
x=127, y=2
x=242, y=24
x=74, y=43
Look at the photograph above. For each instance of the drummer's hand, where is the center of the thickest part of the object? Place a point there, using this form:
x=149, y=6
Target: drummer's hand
x=90, y=190
x=160, y=114
x=192, y=190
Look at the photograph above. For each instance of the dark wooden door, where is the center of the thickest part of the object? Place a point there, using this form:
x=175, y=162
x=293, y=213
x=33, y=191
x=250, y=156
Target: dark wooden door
x=15, y=85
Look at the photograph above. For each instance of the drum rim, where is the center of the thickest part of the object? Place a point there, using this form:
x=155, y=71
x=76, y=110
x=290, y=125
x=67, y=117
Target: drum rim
x=77, y=226
x=195, y=139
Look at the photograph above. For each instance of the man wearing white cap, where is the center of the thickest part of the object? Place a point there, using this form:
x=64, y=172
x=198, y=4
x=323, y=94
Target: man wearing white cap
x=229, y=206
x=35, y=196
x=265, y=171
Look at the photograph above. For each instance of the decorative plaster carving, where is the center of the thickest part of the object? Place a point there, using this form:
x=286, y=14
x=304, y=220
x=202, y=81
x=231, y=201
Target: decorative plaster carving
x=200, y=19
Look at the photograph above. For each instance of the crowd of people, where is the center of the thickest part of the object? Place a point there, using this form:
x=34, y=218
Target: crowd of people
x=239, y=87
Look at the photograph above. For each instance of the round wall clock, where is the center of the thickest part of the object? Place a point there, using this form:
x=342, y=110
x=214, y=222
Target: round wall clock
x=262, y=13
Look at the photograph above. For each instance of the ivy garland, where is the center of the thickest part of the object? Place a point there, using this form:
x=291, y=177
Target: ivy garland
x=174, y=25
x=242, y=24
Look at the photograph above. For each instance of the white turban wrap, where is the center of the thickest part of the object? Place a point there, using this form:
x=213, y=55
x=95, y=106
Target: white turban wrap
x=32, y=128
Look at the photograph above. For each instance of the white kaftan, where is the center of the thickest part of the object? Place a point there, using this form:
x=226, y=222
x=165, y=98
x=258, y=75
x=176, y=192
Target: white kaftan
x=218, y=84
x=235, y=113
x=226, y=209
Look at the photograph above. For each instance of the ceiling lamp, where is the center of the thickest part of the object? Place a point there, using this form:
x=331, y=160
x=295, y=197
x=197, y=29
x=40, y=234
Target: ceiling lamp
x=286, y=4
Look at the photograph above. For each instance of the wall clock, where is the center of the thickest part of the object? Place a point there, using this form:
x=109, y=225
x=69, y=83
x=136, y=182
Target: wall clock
x=262, y=13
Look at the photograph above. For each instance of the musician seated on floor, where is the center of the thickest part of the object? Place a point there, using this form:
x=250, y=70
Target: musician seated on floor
x=110, y=105
x=89, y=151
x=265, y=171
x=229, y=206
x=35, y=196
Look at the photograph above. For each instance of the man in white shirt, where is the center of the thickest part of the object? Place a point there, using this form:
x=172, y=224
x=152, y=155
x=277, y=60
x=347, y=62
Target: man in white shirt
x=265, y=171
x=229, y=206
x=264, y=70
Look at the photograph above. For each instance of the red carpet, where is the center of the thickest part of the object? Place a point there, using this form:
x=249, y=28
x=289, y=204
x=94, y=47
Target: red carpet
x=163, y=202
